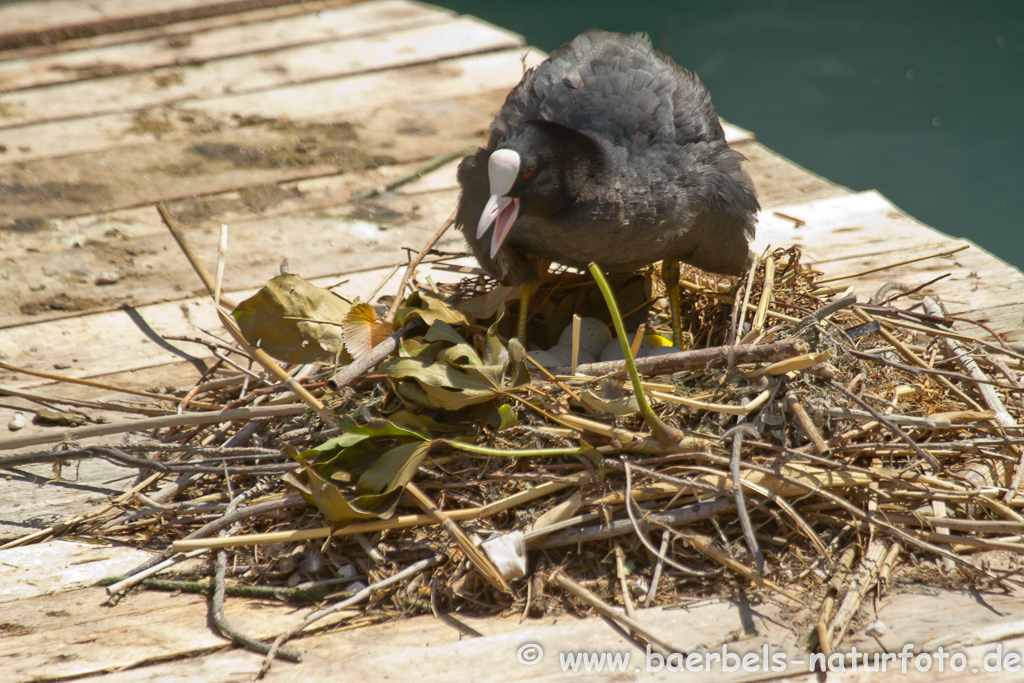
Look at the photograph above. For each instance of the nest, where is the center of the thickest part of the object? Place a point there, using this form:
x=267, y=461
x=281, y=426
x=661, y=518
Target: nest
x=806, y=449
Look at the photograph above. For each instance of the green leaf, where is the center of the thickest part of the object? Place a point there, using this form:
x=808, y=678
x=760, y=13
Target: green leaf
x=427, y=307
x=380, y=458
x=508, y=416
x=295, y=321
x=445, y=385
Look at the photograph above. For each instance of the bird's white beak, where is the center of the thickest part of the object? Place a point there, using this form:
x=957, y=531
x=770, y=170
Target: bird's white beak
x=501, y=210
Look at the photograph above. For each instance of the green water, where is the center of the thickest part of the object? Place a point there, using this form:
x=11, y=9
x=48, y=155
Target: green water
x=921, y=100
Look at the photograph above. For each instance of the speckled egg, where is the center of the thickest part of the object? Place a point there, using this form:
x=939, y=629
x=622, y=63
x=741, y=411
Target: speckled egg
x=564, y=351
x=546, y=359
x=594, y=336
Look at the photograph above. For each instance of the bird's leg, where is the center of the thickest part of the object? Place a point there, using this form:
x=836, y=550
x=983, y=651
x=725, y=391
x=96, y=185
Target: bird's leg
x=524, y=307
x=670, y=275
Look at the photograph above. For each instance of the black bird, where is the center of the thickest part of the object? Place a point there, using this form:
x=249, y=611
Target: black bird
x=607, y=152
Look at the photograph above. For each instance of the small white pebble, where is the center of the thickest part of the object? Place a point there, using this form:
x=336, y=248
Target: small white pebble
x=875, y=628
x=107, y=278
x=356, y=586
x=347, y=571
x=17, y=422
x=640, y=587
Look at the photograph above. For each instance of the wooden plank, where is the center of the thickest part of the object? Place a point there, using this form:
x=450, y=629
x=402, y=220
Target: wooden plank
x=112, y=341
x=70, y=634
x=51, y=284
x=35, y=195
x=779, y=181
x=33, y=498
x=850, y=234
x=61, y=566
x=248, y=73
x=159, y=627
x=330, y=23
x=432, y=107
x=177, y=31
x=51, y=21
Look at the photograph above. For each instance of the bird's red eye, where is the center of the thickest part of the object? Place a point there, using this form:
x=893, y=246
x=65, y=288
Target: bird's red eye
x=527, y=173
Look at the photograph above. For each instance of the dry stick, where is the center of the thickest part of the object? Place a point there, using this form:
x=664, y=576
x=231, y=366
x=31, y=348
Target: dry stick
x=399, y=296
x=218, y=524
x=652, y=592
x=699, y=358
x=828, y=603
x=736, y=328
x=479, y=559
x=362, y=595
x=220, y=571
x=190, y=255
x=737, y=491
x=807, y=424
x=766, y=294
x=606, y=610
x=101, y=385
x=938, y=374
x=82, y=518
x=850, y=276
x=145, y=424
x=913, y=358
x=620, y=573
x=832, y=498
x=628, y=499
x=988, y=395
x=688, y=514
x=824, y=312
x=400, y=522
x=890, y=425
x=96, y=405
x=365, y=363
x=863, y=581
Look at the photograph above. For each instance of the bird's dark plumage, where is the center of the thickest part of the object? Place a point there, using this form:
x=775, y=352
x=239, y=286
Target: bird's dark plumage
x=618, y=157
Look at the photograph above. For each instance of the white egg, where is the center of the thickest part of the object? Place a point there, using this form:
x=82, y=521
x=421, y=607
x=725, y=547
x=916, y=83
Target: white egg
x=594, y=335
x=613, y=350
x=545, y=359
x=564, y=352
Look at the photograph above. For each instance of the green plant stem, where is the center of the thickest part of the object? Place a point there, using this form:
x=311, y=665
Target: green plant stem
x=502, y=453
x=665, y=434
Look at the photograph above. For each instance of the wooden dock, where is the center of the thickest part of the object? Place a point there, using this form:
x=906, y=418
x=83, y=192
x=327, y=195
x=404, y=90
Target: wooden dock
x=269, y=116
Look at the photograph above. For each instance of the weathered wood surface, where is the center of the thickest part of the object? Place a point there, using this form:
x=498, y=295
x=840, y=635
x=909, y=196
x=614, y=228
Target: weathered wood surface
x=203, y=43
x=50, y=21
x=269, y=117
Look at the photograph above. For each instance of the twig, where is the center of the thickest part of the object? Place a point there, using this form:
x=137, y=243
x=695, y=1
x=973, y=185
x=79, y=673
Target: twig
x=737, y=491
x=906, y=262
x=146, y=424
x=400, y=293
x=362, y=595
x=883, y=419
x=606, y=610
x=479, y=559
x=360, y=366
x=714, y=356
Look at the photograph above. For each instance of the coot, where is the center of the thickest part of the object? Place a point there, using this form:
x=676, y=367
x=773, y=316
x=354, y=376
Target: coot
x=606, y=152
